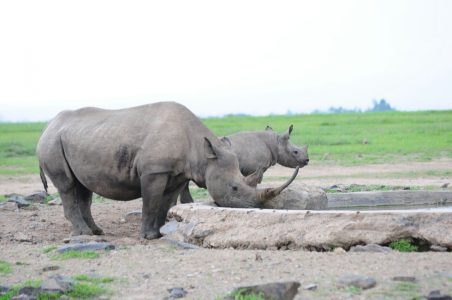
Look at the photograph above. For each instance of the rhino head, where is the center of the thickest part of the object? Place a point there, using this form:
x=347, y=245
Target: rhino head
x=290, y=155
x=228, y=187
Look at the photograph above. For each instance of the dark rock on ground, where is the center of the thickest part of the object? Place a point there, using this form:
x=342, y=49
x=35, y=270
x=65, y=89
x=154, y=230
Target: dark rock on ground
x=370, y=248
x=177, y=292
x=178, y=244
x=275, y=291
x=57, y=284
x=32, y=292
x=436, y=295
x=86, y=247
x=19, y=200
x=404, y=278
x=50, y=268
x=133, y=216
x=36, y=197
x=363, y=282
x=3, y=289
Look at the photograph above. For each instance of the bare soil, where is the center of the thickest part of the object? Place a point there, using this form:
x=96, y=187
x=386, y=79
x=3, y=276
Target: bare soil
x=146, y=269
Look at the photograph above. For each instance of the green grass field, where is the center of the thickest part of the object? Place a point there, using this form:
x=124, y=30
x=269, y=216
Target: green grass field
x=332, y=138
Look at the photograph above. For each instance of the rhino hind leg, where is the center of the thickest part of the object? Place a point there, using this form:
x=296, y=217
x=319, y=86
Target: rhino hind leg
x=85, y=200
x=72, y=212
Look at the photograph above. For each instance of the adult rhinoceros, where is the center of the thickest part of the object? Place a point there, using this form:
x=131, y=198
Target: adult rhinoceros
x=149, y=151
x=259, y=150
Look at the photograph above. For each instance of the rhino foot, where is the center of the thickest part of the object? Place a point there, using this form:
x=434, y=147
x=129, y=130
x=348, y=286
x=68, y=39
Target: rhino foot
x=82, y=231
x=151, y=234
x=98, y=231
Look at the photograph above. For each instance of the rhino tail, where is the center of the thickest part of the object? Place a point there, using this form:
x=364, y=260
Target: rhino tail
x=43, y=178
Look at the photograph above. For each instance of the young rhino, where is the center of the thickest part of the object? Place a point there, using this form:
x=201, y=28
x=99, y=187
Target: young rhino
x=257, y=151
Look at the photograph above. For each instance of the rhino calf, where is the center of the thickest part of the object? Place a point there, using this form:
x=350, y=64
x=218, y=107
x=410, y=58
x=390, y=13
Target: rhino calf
x=257, y=151
x=149, y=151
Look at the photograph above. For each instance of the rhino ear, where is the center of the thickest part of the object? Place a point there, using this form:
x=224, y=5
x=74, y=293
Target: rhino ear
x=209, y=149
x=286, y=135
x=226, y=141
x=268, y=128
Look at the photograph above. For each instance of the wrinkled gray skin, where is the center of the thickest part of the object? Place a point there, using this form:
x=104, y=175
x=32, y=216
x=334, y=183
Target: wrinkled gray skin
x=148, y=151
x=257, y=151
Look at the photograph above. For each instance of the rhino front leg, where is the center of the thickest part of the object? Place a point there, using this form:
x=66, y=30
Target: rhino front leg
x=185, y=196
x=154, y=206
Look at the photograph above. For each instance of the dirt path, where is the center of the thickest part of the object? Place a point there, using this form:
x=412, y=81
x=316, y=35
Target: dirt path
x=146, y=269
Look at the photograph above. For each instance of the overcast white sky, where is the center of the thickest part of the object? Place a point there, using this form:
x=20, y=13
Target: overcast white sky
x=215, y=57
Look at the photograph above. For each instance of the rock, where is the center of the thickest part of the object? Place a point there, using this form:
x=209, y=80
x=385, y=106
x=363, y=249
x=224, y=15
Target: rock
x=258, y=257
x=339, y=250
x=133, y=216
x=310, y=287
x=56, y=201
x=23, y=237
x=304, y=197
x=178, y=244
x=438, y=248
x=23, y=297
x=86, y=247
x=436, y=295
x=57, y=284
x=358, y=281
x=9, y=206
x=50, y=268
x=30, y=292
x=370, y=248
x=445, y=185
x=275, y=291
x=36, y=197
x=220, y=227
x=177, y=292
x=19, y=200
x=84, y=239
x=3, y=289
x=404, y=278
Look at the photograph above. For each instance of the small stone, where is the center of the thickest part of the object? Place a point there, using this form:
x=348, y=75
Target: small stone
x=30, y=292
x=404, y=278
x=23, y=297
x=436, y=295
x=358, y=281
x=19, y=200
x=56, y=201
x=339, y=250
x=177, y=292
x=9, y=206
x=275, y=291
x=438, y=248
x=133, y=216
x=370, y=248
x=36, y=197
x=445, y=185
x=365, y=141
x=258, y=257
x=22, y=237
x=63, y=283
x=50, y=268
x=86, y=247
x=310, y=287
x=3, y=289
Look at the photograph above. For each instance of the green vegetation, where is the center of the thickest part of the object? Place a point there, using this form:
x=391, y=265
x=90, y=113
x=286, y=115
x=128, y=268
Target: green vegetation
x=84, y=287
x=76, y=254
x=403, y=246
x=5, y=267
x=198, y=193
x=346, y=139
x=353, y=290
x=241, y=295
x=49, y=248
x=2, y=198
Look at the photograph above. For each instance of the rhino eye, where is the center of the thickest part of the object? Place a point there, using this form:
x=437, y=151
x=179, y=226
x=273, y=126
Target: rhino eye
x=234, y=188
x=296, y=152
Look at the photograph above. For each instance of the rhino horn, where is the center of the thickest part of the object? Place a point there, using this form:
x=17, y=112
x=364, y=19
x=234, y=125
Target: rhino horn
x=270, y=193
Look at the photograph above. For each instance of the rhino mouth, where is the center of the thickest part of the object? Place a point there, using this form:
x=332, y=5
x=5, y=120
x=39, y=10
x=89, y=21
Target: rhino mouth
x=303, y=163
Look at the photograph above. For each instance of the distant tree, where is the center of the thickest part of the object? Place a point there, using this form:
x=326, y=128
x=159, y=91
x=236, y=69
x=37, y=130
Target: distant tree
x=381, y=105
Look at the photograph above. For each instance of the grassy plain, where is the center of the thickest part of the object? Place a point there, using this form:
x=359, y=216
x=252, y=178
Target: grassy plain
x=344, y=139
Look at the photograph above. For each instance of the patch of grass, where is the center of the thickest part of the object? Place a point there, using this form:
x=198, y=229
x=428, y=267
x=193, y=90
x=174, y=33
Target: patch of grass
x=76, y=254
x=49, y=249
x=241, y=295
x=403, y=246
x=406, y=286
x=93, y=279
x=198, y=193
x=5, y=267
x=86, y=291
x=354, y=290
x=3, y=198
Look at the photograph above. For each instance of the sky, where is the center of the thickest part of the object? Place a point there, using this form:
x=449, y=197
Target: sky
x=223, y=57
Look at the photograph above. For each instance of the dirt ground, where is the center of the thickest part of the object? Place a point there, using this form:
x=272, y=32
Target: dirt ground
x=146, y=269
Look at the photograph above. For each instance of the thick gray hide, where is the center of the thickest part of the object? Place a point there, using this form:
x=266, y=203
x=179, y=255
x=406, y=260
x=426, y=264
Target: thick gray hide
x=149, y=151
